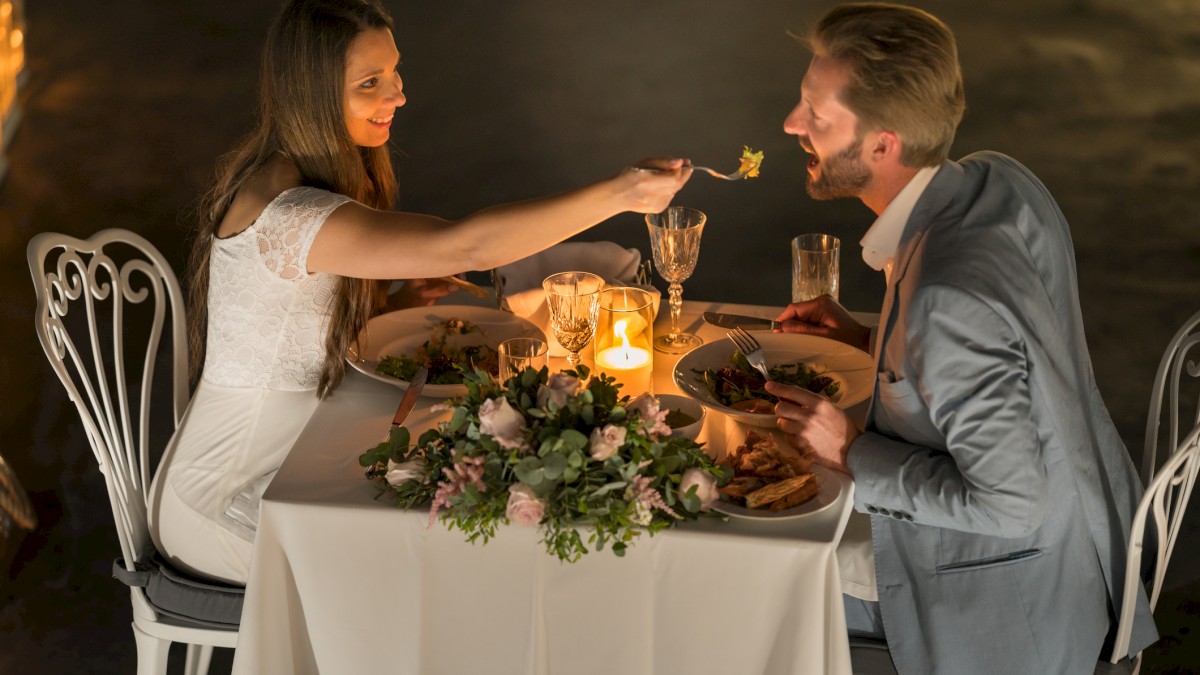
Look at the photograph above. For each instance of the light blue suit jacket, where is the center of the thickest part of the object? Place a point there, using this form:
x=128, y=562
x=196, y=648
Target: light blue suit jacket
x=1001, y=495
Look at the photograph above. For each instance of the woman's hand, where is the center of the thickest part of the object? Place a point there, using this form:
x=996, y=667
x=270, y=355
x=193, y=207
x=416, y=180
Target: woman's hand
x=824, y=317
x=420, y=293
x=651, y=184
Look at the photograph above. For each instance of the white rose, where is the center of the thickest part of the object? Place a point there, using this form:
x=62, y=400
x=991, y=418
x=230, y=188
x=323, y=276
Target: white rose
x=524, y=507
x=654, y=419
x=399, y=474
x=646, y=404
x=706, y=486
x=557, y=389
x=604, y=442
x=502, y=422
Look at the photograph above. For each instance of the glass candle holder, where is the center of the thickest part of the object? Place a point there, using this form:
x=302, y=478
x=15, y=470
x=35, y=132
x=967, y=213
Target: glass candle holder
x=624, y=342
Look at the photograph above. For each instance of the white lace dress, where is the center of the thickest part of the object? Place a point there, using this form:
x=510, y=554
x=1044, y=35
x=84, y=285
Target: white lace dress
x=266, y=332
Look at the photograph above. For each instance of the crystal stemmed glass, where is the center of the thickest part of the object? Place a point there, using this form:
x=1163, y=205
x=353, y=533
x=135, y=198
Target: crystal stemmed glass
x=675, y=240
x=574, y=302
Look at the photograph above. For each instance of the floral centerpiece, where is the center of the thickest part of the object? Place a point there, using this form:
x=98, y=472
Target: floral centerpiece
x=547, y=450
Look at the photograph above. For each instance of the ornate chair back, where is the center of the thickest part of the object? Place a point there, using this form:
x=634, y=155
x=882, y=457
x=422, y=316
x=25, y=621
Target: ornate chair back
x=104, y=306
x=1174, y=401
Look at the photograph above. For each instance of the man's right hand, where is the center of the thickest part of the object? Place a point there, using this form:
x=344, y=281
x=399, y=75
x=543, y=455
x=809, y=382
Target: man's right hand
x=824, y=317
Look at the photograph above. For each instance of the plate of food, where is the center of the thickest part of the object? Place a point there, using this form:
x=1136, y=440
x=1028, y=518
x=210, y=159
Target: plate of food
x=443, y=338
x=718, y=376
x=774, y=481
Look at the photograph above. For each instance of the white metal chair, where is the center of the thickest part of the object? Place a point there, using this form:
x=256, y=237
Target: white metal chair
x=1172, y=397
x=96, y=287
x=1173, y=412
x=1166, y=498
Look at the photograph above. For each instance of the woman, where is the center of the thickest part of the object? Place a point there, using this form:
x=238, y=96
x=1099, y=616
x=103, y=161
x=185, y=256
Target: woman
x=294, y=236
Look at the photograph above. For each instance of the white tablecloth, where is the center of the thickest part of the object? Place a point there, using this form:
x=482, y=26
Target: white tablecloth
x=344, y=583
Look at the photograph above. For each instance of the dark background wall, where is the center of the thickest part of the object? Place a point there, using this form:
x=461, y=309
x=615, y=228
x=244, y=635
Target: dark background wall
x=130, y=103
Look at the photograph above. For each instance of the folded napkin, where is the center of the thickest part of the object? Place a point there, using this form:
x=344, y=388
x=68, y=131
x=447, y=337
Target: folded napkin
x=520, y=283
x=241, y=516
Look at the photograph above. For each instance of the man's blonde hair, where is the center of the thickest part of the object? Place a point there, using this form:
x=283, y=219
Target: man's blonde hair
x=905, y=75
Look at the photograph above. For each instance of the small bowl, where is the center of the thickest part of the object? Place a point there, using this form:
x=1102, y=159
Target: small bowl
x=687, y=406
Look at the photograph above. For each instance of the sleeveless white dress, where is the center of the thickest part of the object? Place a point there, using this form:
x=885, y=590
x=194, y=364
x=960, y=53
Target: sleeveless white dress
x=267, y=321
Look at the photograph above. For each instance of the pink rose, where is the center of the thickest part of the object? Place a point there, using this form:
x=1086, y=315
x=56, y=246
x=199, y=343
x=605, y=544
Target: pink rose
x=502, y=422
x=524, y=507
x=604, y=442
x=654, y=420
x=557, y=389
x=399, y=474
x=706, y=486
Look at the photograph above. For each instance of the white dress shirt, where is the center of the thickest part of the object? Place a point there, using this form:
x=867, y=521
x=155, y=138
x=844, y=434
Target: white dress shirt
x=881, y=241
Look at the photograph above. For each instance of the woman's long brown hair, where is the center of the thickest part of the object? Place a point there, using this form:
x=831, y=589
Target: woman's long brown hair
x=301, y=118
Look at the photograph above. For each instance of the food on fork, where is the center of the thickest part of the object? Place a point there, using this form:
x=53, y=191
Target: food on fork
x=769, y=476
x=750, y=161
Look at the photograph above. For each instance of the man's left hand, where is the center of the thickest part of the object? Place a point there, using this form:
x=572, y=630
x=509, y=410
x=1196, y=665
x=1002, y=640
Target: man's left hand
x=814, y=424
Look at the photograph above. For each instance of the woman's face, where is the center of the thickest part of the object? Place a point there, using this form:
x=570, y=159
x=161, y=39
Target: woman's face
x=373, y=87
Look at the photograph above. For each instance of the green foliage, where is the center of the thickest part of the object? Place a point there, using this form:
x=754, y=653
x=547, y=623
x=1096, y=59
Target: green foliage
x=586, y=504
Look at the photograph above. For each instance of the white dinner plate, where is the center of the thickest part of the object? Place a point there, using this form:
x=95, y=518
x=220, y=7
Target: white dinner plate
x=831, y=487
x=851, y=367
x=403, y=331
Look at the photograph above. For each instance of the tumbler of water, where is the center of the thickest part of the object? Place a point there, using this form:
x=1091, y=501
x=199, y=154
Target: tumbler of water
x=815, y=266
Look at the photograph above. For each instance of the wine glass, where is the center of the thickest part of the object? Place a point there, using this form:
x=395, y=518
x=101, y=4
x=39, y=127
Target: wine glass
x=574, y=302
x=675, y=240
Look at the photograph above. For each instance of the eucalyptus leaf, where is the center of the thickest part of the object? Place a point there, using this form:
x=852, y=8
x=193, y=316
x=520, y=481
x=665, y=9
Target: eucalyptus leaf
x=573, y=440
x=458, y=419
x=690, y=501
x=555, y=463
x=398, y=439
x=609, y=487
x=529, y=471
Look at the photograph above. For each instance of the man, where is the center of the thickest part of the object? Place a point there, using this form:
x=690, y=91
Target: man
x=999, y=491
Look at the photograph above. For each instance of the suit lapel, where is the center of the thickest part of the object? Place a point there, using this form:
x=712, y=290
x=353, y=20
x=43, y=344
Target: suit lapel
x=931, y=203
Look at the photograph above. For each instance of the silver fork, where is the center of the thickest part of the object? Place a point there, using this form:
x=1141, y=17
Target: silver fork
x=736, y=175
x=750, y=348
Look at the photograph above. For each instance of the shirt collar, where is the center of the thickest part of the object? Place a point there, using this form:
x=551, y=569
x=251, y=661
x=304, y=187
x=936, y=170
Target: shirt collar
x=881, y=241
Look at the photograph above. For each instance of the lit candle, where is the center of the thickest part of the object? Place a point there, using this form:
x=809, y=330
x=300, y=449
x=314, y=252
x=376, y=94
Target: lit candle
x=625, y=361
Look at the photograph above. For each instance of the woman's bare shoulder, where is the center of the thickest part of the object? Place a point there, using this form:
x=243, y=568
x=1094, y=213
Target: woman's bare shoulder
x=256, y=194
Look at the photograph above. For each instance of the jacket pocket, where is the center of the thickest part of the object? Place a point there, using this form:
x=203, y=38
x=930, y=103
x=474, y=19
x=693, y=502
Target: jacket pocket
x=994, y=561
x=900, y=412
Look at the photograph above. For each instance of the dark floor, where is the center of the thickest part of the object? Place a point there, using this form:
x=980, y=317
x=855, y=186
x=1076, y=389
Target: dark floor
x=129, y=103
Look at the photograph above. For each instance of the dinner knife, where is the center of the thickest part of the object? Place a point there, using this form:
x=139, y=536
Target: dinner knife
x=410, y=396
x=730, y=321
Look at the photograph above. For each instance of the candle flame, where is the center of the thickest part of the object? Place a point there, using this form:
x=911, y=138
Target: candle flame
x=619, y=331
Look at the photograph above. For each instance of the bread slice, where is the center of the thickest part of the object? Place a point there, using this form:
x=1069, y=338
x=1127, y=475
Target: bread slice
x=775, y=491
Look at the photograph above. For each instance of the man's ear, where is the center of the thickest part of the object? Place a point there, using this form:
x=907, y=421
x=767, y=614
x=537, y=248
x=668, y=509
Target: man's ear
x=886, y=146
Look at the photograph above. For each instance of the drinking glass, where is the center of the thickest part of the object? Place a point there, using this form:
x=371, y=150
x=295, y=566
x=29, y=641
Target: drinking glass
x=574, y=302
x=815, y=266
x=517, y=354
x=675, y=241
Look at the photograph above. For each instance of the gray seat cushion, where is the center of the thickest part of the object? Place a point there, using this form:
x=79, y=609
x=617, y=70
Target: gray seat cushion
x=184, y=599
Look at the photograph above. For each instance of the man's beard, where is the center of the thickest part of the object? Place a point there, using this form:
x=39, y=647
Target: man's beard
x=842, y=175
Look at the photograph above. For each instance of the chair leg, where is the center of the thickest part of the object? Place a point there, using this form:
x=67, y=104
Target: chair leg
x=198, y=658
x=151, y=653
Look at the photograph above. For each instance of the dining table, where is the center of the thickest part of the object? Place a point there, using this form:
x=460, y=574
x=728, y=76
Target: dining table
x=344, y=581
